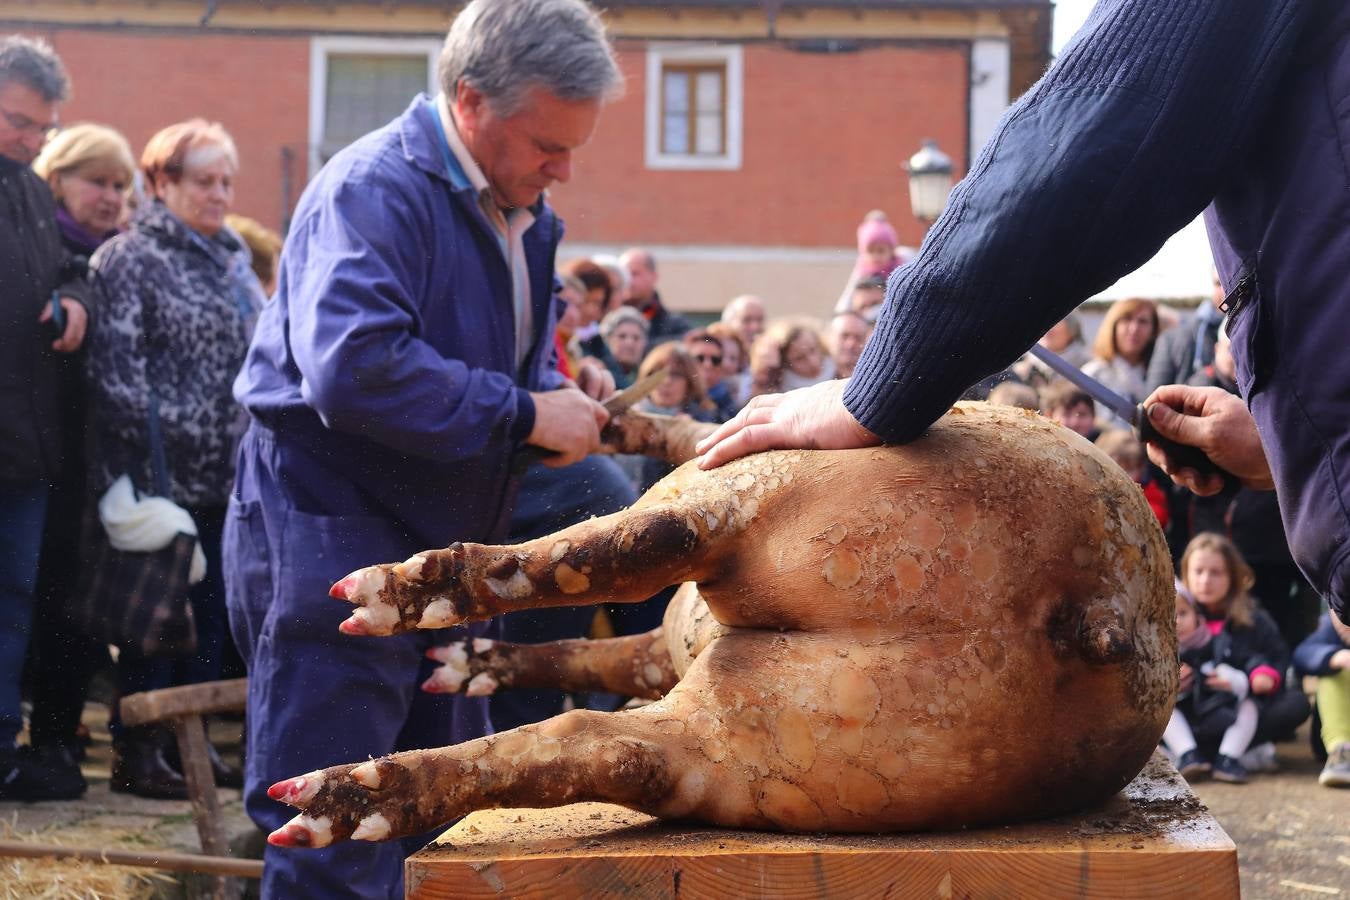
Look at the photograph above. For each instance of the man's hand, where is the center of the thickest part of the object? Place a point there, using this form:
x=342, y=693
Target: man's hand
x=1216, y=422
x=76, y=321
x=567, y=422
x=594, y=380
x=811, y=418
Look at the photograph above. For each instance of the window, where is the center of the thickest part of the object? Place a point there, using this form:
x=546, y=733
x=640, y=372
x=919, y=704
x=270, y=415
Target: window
x=693, y=107
x=358, y=85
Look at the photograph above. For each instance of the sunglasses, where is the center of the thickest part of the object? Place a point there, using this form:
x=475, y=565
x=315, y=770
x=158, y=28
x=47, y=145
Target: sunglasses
x=708, y=358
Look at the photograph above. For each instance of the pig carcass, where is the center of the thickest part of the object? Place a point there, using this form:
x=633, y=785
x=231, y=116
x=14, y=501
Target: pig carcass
x=974, y=628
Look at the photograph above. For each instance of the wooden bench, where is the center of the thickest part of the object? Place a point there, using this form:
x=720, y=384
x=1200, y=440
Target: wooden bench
x=183, y=709
x=1152, y=841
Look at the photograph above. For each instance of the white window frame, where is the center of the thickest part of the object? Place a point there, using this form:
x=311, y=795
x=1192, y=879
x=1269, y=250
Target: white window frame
x=321, y=48
x=658, y=55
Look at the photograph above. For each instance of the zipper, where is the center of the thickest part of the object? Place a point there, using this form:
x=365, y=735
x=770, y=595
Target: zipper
x=1238, y=296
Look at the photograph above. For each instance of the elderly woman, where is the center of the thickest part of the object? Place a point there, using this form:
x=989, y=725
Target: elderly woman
x=176, y=305
x=1121, y=351
x=89, y=169
x=625, y=334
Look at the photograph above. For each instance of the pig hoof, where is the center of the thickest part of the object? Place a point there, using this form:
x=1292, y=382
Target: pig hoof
x=450, y=676
x=303, y=831
x=481, y=685
x=374, y=827
x=367, y=775
x=297, y=791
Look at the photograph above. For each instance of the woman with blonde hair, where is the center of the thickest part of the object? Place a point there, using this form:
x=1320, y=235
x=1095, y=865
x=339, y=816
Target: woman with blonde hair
x=177, y=300
x=1121, y=351
x=789, y=354
x=89, y=169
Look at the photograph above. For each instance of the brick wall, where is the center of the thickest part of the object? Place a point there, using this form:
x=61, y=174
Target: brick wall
x=824, y=140
x=257, y=87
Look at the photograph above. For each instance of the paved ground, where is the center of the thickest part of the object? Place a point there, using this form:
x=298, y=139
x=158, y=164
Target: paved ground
x=1293, y=836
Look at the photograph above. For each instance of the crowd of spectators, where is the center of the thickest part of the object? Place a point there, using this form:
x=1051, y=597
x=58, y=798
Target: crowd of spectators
x=149, y=255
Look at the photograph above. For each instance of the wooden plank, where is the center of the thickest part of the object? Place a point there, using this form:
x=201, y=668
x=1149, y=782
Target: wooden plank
x=137, y=859
x=201, y=785
x=1152, y=841
x=191, y=699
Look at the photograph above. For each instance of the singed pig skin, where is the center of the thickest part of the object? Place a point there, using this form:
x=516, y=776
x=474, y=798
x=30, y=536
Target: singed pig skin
x=970, y=629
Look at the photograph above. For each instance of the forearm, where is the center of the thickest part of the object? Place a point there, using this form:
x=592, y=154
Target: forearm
x=1119, y=146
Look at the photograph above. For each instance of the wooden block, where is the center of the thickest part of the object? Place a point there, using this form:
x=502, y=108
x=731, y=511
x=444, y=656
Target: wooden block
x=1152, y=841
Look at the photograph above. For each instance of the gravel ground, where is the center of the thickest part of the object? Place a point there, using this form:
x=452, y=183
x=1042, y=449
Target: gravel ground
x=1292, y=834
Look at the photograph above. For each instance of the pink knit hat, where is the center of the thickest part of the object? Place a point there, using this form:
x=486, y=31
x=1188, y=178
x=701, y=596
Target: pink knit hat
x=876, y=231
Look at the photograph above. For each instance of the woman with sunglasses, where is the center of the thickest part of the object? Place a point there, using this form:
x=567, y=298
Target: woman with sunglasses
x=707, y=352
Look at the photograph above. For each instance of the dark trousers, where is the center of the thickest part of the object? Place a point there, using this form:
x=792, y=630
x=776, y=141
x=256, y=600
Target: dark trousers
x=23, y=505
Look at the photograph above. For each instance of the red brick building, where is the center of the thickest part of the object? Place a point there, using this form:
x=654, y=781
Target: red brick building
x=752, y=137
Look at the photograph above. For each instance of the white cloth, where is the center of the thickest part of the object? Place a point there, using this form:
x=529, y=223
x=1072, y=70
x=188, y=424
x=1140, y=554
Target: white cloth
x=147, y=524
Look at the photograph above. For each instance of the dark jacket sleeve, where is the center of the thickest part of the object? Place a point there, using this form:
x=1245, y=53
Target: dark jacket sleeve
x=1313, y=654
x=1260, y=645
x=1126, y=139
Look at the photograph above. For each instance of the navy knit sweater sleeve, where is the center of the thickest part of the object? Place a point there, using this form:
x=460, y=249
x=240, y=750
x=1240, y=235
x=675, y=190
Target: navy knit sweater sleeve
x=1125, y=140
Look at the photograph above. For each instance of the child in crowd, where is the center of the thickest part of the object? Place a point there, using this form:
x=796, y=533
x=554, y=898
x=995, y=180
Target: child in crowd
x=1247, y=638
x=1326, y=654
x=1064, y=402
x=1014, y=393
x=879, y=254
x=681, y=394
x=1211, y=702
x=1128, y=453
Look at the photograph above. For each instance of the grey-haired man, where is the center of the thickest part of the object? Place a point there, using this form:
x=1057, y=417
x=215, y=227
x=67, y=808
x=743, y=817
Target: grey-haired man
x=406, y=358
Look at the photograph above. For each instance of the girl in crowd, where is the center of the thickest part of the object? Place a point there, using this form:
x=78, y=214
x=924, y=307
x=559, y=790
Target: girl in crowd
x=681, y=394
x=1212, y=702
x=624, y=331
x=177, y=301
x=879, y=254
x=1216, y=575
x=598, y=290
x=788, y=355
x=1326, y=654
x=90, y=170
x=1121, y=351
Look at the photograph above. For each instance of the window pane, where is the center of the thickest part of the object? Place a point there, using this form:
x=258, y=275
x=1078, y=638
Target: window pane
x=709, y=92
x=366, y=91
x=675, y=135
x=708, y=140
x=675, y=92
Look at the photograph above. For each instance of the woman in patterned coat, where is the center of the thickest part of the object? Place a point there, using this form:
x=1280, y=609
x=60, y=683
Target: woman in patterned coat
x=177, y=304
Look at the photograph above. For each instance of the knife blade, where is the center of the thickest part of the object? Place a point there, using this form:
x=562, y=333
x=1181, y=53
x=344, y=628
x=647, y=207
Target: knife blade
x=1183, y=455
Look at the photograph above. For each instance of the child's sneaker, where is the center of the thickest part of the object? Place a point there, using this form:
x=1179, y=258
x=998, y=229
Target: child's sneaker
x=1228, y=769
x=1336, y=773
x=1192, y=765
x=1261, y=758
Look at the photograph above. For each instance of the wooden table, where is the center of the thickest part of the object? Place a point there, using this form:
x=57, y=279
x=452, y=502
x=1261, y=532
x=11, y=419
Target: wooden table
x=1153, y=840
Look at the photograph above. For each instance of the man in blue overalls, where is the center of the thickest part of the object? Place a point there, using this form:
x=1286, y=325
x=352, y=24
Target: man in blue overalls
x=404, y=361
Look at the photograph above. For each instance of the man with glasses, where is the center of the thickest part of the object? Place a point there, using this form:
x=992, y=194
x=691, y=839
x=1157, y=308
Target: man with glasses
x=41, y=316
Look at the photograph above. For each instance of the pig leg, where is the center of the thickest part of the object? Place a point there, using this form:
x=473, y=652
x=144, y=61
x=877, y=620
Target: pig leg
x=666, y=438
x=634, y=666
x=676, y=532
x=580, y=755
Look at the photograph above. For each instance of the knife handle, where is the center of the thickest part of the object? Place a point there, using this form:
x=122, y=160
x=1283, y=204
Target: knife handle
x=1184, y=455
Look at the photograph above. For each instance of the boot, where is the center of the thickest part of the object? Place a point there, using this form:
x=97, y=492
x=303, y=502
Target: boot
x=139, y=766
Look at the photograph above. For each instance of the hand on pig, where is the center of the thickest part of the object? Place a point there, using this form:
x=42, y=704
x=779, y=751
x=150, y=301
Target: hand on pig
x=810, y=418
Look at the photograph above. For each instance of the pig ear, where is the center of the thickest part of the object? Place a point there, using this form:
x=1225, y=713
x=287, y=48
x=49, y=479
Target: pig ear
x=1102, y=636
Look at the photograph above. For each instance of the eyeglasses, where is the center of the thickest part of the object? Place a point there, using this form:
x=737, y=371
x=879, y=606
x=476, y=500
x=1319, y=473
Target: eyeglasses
x=708, y=358
x=20, y=122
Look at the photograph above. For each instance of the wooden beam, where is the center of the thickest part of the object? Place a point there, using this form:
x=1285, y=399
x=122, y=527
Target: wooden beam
x=192, y=699
x=138, y=859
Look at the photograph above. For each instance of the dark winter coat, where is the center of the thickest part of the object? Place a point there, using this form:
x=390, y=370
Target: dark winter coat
x=33, y=264
x=175, y=313
x=1313, y=654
